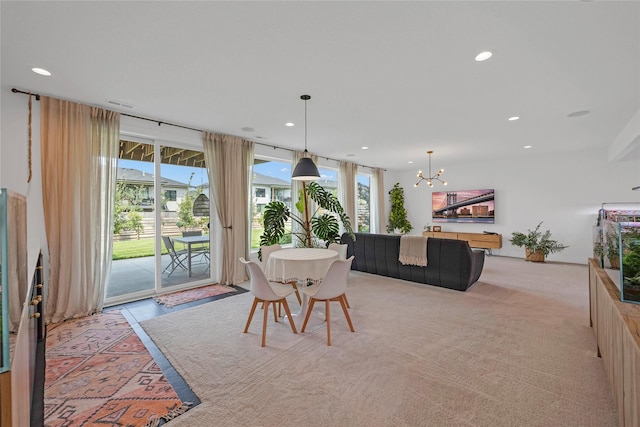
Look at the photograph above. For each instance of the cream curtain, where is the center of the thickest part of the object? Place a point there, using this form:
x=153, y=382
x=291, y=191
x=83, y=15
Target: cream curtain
x=347, y=191
x=378, y=221
x=296, y=186
x=229, y=161
x=79, y=162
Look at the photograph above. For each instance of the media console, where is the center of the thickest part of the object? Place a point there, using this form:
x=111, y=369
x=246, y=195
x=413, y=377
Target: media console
x=475, y=240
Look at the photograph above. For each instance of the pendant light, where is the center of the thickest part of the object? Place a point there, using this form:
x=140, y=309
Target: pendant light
x=430, y=177
x=305, y=170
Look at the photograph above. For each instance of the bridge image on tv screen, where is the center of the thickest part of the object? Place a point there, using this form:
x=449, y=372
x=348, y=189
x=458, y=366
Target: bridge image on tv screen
x=463, y=206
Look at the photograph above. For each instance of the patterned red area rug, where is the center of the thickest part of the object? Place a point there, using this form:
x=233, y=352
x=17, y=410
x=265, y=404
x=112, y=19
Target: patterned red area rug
x=183, y=297
x=100, y=373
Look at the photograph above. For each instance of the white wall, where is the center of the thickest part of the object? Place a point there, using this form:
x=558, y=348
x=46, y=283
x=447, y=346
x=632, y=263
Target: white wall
x=563, y=190
x=14, y=165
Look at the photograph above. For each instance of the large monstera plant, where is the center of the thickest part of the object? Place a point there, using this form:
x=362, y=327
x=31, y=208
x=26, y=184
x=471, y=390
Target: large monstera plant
x=316, y=229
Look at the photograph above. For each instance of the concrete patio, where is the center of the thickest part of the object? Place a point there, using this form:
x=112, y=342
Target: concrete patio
x=137, y=274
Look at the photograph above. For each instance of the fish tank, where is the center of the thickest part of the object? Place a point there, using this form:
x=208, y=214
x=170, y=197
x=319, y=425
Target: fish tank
x=629, y=245
x=13, y=268
x=616, y=243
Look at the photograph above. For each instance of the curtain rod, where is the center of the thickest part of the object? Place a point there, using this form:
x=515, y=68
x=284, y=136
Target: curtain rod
x=37, y=95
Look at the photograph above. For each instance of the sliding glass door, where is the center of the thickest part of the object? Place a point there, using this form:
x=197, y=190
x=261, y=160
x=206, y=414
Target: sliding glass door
x=162, y=224
x=184, y=217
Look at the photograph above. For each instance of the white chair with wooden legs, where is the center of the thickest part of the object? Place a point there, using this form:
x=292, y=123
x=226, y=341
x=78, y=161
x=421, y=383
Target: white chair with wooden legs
x=332, y=288
x=342, y=254
x=267, y=293
x=266, y=251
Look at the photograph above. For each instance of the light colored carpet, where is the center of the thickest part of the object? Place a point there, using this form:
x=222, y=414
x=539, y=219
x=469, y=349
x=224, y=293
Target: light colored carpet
x=514, y=350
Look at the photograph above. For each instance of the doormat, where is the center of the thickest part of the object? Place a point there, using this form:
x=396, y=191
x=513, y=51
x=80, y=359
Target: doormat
x=189, y=295
x=100, y=373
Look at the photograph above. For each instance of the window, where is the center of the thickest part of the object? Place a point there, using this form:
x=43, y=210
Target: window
x=171, y=195
x=363, y=203
x=329, y=180
x=274, y=177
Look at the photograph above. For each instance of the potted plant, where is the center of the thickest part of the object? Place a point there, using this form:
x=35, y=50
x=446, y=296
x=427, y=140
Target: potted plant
x=317, y=229
x=536, y=243
x=398, y=214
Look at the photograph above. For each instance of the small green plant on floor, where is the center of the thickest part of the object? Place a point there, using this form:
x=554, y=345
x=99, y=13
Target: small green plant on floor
x=535, y=241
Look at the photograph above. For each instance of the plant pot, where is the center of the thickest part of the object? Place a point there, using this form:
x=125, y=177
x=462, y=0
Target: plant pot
x=534, y=256
x=615, y=263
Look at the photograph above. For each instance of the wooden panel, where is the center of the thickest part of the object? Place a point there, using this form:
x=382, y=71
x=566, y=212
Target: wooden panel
x=482, y=240
x=609, y=337
x=5, y=399
x=631, y=371
x=475, y=240
x=592, y=297
x=617, y=328
x=23, y=366
x=441, y=235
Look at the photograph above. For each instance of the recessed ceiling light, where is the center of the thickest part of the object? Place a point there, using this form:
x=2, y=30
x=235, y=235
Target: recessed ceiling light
x=365, y=148
x=483, y=56
x=514, y=118
x=351, y=155
x=289, y=124
x=41, y=71
x=410, y=161
x=528, y=146
x=578, y=113
x=248, y=129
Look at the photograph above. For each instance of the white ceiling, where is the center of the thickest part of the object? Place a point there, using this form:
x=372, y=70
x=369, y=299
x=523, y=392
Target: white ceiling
x=398, y=77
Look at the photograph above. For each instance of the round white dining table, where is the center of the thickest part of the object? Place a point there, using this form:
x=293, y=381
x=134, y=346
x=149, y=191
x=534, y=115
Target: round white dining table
x=302, y=265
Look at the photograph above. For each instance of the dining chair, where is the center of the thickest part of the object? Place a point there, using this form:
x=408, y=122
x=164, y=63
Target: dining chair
x=331, y=288
x=342, y=254
x=176, y=256
x=265, y=251
x=341, y=249
x=267, y=293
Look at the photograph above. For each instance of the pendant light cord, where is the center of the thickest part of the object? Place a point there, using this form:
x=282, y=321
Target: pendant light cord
x=305, y=98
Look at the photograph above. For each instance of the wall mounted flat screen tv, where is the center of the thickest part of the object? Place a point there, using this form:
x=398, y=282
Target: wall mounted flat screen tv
x=463, y=206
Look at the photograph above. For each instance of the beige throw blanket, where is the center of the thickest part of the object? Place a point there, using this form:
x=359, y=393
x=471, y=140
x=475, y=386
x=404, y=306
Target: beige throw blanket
x=413, y=250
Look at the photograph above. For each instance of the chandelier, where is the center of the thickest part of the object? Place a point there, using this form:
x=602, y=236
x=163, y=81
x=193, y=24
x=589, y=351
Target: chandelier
x=305, y=170
x=430, y=178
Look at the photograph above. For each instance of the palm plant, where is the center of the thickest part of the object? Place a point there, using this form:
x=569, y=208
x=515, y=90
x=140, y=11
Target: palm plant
x=316, y=229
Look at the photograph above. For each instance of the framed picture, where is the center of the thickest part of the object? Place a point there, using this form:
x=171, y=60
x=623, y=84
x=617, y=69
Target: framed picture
x=437, y=228
x=463, y=206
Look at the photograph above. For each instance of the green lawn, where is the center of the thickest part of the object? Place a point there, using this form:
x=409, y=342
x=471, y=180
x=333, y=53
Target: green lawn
x=125, y=249
x=257, y=232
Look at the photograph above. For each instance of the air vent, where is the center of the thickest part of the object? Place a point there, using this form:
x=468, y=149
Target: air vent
x=119, y=104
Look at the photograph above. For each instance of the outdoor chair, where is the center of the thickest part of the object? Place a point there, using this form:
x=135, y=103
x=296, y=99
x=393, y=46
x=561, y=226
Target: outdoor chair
x=331, y=288
x=177, y=257
x=268, y=293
